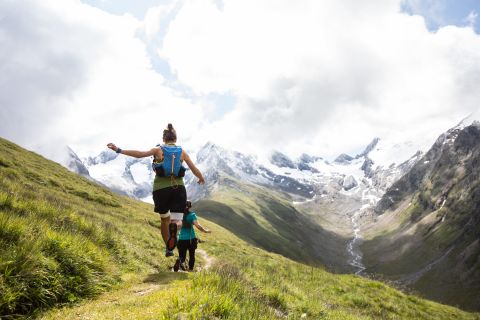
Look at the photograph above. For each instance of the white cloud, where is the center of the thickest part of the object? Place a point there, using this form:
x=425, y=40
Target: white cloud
x=78, y=75
x=306, y=76
x=324, y=76
x=155, y=19
x=472, y=18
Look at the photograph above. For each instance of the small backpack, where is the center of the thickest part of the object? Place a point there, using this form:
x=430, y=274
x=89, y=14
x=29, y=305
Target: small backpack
x=171, y=165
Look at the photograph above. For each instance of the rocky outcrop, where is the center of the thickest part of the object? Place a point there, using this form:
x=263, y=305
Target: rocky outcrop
x=367, y=167
x=282, y=161
x=76, y=165
x=369, y=148
x=305, y=161
x=349, y=183
x=420, y=172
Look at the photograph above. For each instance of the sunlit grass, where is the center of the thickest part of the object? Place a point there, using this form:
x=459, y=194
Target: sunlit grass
x=74, y=250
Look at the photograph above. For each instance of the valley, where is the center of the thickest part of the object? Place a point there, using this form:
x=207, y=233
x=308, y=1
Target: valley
x=72, y=249
x=358, y=214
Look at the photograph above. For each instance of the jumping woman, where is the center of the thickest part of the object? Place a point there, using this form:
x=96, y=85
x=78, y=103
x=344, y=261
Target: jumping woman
x=169, y=194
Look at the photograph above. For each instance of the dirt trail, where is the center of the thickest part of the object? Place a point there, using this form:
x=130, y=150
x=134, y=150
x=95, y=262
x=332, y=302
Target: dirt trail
x=146, y=289
x=208, y=259
x=150, y=288
x=140, y=298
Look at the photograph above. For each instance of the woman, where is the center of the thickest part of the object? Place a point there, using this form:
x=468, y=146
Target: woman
x=187, y=239
x=169, y=194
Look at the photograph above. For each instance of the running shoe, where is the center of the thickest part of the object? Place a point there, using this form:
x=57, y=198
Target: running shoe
x=169, y=253
x=183, y=266
x=176, y=265
x=172, y=240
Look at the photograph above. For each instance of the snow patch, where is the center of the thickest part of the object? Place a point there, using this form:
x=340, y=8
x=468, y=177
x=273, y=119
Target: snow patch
x=141, y=173
x=387, y=152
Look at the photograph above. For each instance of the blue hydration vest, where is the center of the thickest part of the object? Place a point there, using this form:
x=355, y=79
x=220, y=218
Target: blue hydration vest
x=171, y=165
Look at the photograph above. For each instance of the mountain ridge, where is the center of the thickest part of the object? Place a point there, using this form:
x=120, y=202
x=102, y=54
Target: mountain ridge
x=434, y=210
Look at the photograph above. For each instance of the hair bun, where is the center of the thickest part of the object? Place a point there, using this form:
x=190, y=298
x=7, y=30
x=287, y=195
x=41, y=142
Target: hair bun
x=169, y=134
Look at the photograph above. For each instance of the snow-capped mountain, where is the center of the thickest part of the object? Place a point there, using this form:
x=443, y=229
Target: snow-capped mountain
x=304, y=179
x=122, y=174
x=429, y=222
x=75, y=164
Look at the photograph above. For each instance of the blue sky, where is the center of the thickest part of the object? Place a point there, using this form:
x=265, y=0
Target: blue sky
x=439, y=13
x=137, y=8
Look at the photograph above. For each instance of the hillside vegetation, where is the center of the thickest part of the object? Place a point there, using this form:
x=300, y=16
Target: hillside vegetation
x=427, y=235
x=69, y=243
x=268, y=219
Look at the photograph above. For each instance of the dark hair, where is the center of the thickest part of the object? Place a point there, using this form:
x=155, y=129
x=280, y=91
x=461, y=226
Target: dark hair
x=188, y=206
x=169, y=134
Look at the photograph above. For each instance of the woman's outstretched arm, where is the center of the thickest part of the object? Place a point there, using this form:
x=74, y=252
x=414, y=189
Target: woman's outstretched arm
x=135, y=153
x=200, y=227
x=192, y=167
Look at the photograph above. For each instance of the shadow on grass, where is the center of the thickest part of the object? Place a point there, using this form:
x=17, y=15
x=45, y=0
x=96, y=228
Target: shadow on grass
x=165, y=277
x=292, y=231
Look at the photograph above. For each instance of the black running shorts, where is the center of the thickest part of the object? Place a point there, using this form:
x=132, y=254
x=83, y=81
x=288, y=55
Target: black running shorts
x=173, y=199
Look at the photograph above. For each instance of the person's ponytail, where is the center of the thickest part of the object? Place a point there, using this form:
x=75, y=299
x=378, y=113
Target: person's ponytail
x=169, y=134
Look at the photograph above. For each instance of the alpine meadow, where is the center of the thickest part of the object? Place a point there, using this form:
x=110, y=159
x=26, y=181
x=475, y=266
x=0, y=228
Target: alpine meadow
x=72, y=244
x=240, y=159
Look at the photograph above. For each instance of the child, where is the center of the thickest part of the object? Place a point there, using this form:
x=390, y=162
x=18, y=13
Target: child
x=187, y=239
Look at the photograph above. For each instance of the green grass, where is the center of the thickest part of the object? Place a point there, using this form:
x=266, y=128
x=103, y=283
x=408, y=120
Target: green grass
x=64, y=238
x=248, y=283
x=74, y=250
x=269, y=220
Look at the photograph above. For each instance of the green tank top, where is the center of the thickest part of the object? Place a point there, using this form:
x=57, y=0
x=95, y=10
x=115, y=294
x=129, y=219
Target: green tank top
x=165, y=182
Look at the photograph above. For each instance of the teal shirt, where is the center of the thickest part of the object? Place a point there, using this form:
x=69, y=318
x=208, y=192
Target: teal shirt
x=188, y=233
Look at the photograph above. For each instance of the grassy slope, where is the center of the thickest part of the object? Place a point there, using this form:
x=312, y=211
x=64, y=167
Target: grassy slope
x=425, y=240
x=64, y=239
x=269, y=220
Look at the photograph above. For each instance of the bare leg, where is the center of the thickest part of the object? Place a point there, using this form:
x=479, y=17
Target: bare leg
x=164, y=228
x=177, y=222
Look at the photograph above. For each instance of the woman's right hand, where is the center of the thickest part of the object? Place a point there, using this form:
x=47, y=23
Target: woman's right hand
x=112, y=146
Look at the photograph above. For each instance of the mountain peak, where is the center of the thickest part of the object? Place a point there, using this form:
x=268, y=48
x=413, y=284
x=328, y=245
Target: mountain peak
x=343, y=158
x=280, y=160
x=103, y=157
x=209, y=144
x=75, y=164
x=471, y=119
x=369, y=148
x=209, y=150
x=306, y=158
